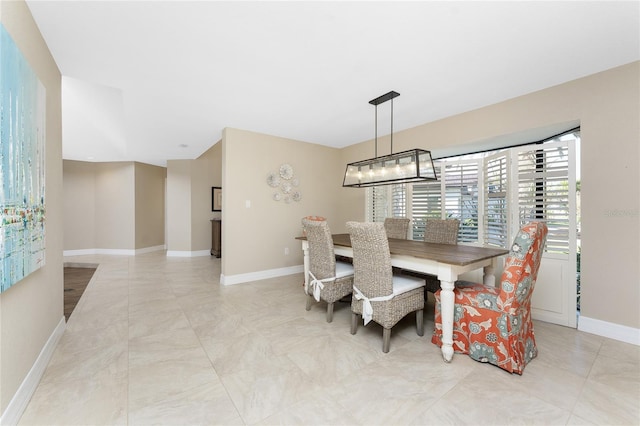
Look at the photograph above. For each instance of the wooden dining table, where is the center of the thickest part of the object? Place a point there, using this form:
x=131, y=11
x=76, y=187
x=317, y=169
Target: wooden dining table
x=446, y=261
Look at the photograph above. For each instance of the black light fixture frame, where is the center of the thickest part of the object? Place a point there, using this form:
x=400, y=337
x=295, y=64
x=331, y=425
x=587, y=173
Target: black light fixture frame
x=412, y=154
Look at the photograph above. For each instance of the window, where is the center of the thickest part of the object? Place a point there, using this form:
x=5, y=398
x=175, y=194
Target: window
x=495, y=201
x=543, y=191
x=492, y=194
x=385, y=201
x=426, y=203
x=461, y=198
x=398, y=201
x=376, y=197
x=453, y=196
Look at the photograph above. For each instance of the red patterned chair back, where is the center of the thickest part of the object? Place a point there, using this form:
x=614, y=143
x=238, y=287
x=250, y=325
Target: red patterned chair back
x=521, y=267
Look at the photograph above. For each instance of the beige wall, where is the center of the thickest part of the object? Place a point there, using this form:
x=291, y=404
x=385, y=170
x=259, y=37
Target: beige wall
x=32, y=308
x=255, y=238
x=79, y=190
x=149, y=205
x=607, y=105
x=113, y=206
x=189, y=212
x=179, y=205
x=207, y=172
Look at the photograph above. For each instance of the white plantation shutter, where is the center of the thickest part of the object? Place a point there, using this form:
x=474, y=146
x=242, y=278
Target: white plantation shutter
x=517, y=185
x=461, y=198
x=545, y=177
x=399, y=200
x=377, y=204
x=496, y=227
x=426, y=202
x=544, y=191
x=385, y=201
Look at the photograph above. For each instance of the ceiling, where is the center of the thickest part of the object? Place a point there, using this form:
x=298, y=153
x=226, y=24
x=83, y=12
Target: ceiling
x=150, y=81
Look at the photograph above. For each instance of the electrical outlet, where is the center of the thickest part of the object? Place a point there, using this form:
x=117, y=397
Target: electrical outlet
x=286, y=251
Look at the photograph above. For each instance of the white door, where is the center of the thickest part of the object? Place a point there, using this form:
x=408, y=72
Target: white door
x=545, y=189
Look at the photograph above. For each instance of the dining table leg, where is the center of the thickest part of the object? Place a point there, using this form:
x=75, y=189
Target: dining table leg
x=489, y=277
x=446, y=310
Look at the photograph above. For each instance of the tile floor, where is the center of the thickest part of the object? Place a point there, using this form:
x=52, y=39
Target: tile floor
x=157, y=340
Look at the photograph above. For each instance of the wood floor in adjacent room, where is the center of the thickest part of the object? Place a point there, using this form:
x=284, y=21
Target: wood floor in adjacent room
x=75, y=282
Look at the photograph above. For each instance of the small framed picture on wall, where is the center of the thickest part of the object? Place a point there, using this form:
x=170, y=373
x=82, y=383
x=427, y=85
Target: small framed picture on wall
x=216, y=199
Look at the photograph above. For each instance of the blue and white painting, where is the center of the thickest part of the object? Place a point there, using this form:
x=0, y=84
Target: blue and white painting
x=22, y=207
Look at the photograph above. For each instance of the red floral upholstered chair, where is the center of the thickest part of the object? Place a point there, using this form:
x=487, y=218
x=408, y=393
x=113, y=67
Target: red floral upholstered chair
x=494, y=324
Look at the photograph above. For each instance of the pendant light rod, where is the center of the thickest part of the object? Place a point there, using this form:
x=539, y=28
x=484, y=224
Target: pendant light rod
x=377, y=101
x=391, y=126
x=376, y=144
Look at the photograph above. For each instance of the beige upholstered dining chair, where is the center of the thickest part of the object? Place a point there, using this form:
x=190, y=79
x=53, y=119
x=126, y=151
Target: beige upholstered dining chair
x=397, y=227
x=329, y=280
x=378, y=295
x=441, y=231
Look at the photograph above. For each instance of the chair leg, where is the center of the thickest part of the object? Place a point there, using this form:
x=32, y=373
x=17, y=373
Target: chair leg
x=310, y=300
x=354, y=322
x=386, y=339
x=329, y=312
x=420, y=322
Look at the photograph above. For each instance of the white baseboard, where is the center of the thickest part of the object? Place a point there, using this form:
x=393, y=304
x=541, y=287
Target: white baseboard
x=610, y=330
x=260, y=275
x=78, y=252
x=186, y=253
x=113, y=252
x=117, y=252
x=150, y=249
x=19, y=402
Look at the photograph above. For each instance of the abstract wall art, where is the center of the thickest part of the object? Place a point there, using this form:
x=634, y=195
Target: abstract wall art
x=22, y=166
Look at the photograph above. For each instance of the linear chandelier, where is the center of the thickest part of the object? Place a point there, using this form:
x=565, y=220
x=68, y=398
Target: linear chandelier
x=413, y=165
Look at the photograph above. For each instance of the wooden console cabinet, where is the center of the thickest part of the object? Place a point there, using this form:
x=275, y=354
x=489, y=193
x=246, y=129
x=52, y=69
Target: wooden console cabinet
x=216, y=237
